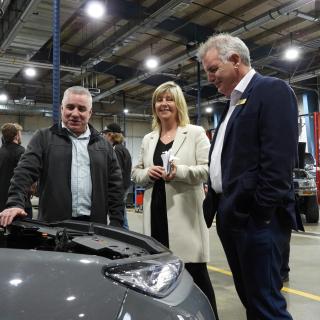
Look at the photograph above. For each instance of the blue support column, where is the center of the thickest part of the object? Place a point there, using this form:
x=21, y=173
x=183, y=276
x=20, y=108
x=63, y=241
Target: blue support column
x=56, y=62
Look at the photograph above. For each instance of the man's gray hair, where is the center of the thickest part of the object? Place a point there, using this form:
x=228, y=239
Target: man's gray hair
x=226, y=45
x=77, y=90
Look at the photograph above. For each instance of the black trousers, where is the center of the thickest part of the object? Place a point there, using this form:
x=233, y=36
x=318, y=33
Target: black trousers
x=285, y=269
x=200, y=275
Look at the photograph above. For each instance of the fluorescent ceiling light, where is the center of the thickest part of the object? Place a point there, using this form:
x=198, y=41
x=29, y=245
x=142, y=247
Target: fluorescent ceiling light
x=291, y=54
x=125, y=110
x=3, y=97
x=30, y=72
x=95, y=9
x=15, y=282
x=152, y=63
x=208, y=110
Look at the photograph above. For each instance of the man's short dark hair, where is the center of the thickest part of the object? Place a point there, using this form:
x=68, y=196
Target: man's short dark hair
x=9, y=131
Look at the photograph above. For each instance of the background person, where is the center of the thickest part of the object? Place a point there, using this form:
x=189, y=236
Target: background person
x=10, y=153
x=78, y=172
x=251, y=163
x=113, y=134
x=28, y=205
x=172, y=204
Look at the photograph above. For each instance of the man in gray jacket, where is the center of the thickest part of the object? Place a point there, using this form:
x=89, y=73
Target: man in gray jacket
x=79, y=176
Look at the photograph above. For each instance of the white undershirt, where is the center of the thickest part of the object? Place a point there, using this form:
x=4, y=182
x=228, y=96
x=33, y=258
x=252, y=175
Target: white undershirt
x=215, y=164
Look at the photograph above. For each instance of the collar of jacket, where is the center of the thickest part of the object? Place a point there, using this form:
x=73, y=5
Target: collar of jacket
x=179, y=139
x=7, y=143
x=57, y=129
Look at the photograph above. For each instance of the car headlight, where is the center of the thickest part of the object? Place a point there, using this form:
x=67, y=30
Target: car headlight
x=156, y=278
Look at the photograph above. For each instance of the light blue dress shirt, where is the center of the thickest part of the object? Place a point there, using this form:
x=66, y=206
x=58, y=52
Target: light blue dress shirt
x=81, y=183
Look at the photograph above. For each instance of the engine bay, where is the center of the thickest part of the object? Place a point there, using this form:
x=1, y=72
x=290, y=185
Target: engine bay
x=78, y=237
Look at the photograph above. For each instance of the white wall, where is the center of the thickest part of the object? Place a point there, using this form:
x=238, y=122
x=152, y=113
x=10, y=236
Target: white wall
x=135, y=129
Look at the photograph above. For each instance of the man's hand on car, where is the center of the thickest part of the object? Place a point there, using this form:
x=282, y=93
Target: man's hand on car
x=7, y=215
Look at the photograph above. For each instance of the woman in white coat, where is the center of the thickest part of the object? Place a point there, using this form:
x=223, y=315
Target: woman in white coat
x=172, y=203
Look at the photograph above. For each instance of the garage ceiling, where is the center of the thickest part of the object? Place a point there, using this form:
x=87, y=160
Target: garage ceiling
x=108, y=54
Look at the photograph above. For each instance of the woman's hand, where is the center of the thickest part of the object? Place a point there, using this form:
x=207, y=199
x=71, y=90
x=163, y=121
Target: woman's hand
x=172, y=173
x=156, y=172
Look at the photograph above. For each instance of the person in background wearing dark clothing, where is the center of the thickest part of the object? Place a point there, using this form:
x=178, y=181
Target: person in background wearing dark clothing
x=28, y=206
x=172, y=205
x=113, y=134
x=77, y=170
x=285, y=269
x=250, y=184
x=10, y=153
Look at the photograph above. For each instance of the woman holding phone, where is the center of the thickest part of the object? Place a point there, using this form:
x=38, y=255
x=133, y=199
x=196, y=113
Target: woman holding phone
x=173, y=195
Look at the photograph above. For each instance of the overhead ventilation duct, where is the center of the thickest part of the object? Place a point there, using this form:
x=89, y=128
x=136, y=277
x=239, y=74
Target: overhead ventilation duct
x=28, y=107
x=25, y=108
x=304, y=16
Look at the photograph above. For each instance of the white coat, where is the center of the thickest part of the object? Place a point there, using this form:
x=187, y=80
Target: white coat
x=188, y=233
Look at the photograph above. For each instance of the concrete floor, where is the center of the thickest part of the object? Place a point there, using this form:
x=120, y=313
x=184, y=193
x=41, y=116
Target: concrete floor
x=302, y=291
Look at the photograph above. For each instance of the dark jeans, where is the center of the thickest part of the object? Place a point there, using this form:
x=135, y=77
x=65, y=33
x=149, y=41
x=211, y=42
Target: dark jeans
x=254, y=251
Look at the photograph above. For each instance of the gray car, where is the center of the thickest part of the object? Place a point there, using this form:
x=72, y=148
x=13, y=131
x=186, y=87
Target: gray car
x=79, y=270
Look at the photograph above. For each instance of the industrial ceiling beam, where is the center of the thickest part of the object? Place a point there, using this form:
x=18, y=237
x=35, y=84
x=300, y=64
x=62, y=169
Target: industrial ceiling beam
x=126, y=34
x=13, y=20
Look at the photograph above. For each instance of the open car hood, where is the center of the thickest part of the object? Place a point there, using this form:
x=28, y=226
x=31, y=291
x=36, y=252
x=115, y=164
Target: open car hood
x=58, y=270
x=56, y=285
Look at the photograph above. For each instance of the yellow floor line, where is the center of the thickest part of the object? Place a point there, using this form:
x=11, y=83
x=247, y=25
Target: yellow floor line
x=302, y=294
x=211, y=268
x=284, y=289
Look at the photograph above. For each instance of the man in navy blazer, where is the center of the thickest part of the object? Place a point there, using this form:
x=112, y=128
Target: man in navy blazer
x=251, y=163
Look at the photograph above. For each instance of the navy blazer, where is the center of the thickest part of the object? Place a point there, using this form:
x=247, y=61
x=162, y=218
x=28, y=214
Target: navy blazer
x=258, y=155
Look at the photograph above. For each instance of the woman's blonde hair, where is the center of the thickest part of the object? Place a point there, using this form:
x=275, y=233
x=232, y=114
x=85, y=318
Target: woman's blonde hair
x=179, y=99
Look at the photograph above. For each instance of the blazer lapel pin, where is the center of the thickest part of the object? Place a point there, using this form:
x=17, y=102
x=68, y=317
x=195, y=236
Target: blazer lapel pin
x=241, y=102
